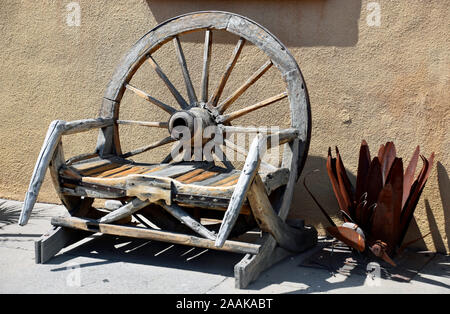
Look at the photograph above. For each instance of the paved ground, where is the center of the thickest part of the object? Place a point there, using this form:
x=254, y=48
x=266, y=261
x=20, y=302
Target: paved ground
x=116, y=265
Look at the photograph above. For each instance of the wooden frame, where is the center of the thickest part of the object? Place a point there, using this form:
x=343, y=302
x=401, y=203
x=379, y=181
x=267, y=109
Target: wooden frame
x=176, y=195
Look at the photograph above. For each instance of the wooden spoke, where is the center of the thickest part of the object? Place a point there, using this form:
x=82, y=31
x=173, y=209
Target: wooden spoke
x=244, y=129
x=180, y=100
x=187, y=78
x=251, y=80
x=149, y=98
x=148, y=147
x=238, y=113
x=223, y=80
x=144, y=123
x=206, y=61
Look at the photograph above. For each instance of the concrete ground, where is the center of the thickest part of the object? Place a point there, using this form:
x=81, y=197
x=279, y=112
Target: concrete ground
x=106, y=264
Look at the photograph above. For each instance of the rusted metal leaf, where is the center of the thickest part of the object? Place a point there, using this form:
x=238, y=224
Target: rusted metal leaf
x=349, y=237
x=374, y=182
x=331, y=170
x=389, y=156
x=363, y=170
x=414, y=196
x=345, y=186
x=408, y=177
x=395, y=179
x=383, y=221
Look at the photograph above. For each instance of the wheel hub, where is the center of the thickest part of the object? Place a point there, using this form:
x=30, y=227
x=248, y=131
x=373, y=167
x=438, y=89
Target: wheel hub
x=187, y=123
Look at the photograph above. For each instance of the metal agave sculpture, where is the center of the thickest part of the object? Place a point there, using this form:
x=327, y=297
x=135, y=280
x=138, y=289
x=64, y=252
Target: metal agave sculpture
x=378, y=211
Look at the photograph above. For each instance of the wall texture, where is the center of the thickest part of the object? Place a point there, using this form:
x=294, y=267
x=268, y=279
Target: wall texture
x=367, y=80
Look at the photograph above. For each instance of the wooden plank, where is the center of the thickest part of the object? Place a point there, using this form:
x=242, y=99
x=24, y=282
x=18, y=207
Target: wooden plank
x=205, y=175
x=164, y=236
x=206, y=62
x=189, y=175
x=151, y=99
x=114, y=171
x=217, y=178
x=250, y=81
x=175, y=170
x=227, y=179
x=132, y=170
x=51, y=141
x=93, y=193
x=180, y=100
x=54, y=240
x=223, y=80
x=177, y=212
x=187, y=78
x=127, y=210
x=240, y=191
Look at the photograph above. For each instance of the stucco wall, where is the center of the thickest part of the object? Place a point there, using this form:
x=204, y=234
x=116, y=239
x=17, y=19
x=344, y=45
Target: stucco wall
x=379, y=83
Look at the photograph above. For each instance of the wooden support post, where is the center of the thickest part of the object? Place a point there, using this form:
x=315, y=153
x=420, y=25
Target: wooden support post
x=55, y=131
x=54, y=240
x=237, y=199
x=157, y=235
x=289, y=238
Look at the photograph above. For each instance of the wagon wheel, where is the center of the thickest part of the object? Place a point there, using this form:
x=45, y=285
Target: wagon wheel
x=211, y=108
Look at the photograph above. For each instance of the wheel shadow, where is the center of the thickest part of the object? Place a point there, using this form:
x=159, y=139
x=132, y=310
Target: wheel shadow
x=297, y=23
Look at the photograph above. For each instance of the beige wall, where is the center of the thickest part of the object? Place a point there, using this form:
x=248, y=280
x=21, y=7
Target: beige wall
x=379, y=83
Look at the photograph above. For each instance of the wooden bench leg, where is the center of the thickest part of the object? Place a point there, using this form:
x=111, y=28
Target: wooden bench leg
x=54, y=240
x=251, y=266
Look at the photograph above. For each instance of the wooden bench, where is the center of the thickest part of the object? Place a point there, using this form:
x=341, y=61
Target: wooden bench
x=169, y=201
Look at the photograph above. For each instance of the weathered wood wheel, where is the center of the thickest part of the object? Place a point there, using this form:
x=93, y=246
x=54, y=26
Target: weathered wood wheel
x=175, y=195
x=212, y=109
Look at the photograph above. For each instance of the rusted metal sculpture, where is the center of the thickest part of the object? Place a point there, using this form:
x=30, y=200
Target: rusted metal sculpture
x=377, y=212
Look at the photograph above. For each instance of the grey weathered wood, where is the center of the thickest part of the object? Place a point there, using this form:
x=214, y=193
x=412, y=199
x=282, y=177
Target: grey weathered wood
x=51, y=141
x=187, y=78
x=206, y=62
x=55, y=131
x=108, y=142
x=239, y=113
x=151, y=124
x=81, y=191
x=143, y=149
x=151, y=99
x=251, y=266
x=54, y=240
x=127, y=210
x=240, y=191
x=79, y=126
x=175, y=170
x=223, y=80
x=250, y=81
x=177, y=212
x=164, y=236
x=289, y=238
x=180, y=100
